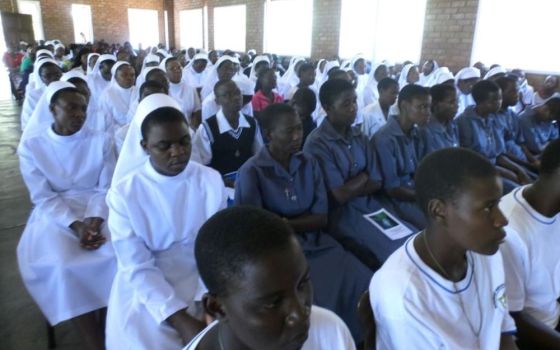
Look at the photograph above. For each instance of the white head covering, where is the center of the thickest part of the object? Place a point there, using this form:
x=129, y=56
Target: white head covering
x=439, y=76
x=42, y=117
x=96, y=82
x=58, y=46
x=163, y=52
x=198, y=56
x=132, y=155
x=212, y=78
x=425, y=79
x=290, y=77
x=467, y=73
x=142, y=77
x=89, y=56
x=356, y=59
x=35, y=78
x=318, y=72
x=404, y=75
x=164, y=62
x=150, y=58
x=46, y=52
x=328, y=66
x=261, y=58
x=73, y=74
x=495, y=71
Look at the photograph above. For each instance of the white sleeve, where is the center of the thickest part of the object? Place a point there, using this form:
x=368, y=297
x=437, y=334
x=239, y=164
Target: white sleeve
x=258, y=142
x=208, y=109
x=97, y=206
x=137, y=263
x=516, y=264
x=202, y=149
x=41, y=192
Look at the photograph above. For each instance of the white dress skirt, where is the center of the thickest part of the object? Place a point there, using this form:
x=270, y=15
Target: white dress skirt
x=67, y=177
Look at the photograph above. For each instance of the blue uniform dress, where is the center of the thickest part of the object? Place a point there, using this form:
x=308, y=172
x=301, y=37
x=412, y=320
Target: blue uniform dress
x=513, y=136
x=484, y=136
x=337, y=276
x=342, y=158
x=537, y=134
x=438, y=136
x=399, y=155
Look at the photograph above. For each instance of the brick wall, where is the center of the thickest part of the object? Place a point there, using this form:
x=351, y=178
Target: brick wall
x=449, y=32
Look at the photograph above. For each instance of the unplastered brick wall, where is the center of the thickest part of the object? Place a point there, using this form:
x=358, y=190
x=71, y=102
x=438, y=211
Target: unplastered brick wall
x=449, y=32
x=109, y=18
x=8, y=5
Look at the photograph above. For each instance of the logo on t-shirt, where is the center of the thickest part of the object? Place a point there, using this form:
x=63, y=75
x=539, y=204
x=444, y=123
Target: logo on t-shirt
x=500, y=298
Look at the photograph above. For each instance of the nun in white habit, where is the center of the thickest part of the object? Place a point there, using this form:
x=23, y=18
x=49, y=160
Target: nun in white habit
x=64, y=259
x=45, y=71
x=96, y=82
x=290, y=78
x=154, y=218
x=377, y=72
x=498, y=70
x=118, y=97
x=90, y=66
x=358, y=66
x=185, y=95
x=409, y=75
x=196, y=71
x=428, y=70
x=257, y=65
x=464, y=81
x=213, y=77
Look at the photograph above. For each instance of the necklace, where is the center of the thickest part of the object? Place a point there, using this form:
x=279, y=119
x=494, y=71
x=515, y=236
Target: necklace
x=471, y=325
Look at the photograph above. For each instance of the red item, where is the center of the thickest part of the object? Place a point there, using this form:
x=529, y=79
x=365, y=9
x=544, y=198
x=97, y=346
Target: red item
x=260, y=101
x=12, y=60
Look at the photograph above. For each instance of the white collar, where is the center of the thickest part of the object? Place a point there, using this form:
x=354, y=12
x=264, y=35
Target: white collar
x=224, y=126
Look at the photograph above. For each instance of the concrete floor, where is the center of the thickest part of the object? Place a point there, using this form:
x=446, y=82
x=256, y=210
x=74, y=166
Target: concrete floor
x=22, y=325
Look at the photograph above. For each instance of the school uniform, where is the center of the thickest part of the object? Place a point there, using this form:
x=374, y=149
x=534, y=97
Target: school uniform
x=482, y=135
x=338, y=277
x=326, y=331
x=416, y=308
x=513, y=136
x=154, y=220
x=342, y=157
x=537, y=134
x=223, y=148
x=438, y=135
x=67, y=178
x=211, y=108
x=308, y=126
x=373, y=119
x=531, y=263
x=399, y=155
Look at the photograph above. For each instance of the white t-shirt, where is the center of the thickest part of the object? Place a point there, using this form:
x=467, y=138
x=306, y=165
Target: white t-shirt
x=374, y=119
x=531, y=259
x=416, y=308
x=327, y=331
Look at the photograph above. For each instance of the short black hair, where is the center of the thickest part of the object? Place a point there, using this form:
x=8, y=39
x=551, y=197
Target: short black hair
x=305, y=96
x=386, y=83
x=61, y=92
x=47, y=64
x=234, y=238
x=550, y=159
x=305, y=67
x=505, y=81
x=412, y=91
x=482, y=90
x=553, y=104
x=221, y=83
x=271, y=114
x=333, y=88
x=151, y=84
x=336, y=73
x=440, y=92
x=154, y=71
x=161, y=116
x=445, y=173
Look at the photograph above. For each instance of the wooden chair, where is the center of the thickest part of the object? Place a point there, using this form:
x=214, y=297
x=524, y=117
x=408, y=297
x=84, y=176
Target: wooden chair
x=367, y=319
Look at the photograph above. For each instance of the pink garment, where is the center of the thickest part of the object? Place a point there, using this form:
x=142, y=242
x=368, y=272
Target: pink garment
x=260, y=101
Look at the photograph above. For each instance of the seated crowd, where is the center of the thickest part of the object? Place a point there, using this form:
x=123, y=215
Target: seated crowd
x=239, y=201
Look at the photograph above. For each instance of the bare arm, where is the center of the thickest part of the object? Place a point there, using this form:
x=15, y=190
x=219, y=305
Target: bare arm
x=536, y=333
x=308, y=222
x=351, y=189
x=402, y=194
x=507, y=342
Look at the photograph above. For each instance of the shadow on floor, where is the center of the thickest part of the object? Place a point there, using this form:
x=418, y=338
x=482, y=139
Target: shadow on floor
x=22, y=326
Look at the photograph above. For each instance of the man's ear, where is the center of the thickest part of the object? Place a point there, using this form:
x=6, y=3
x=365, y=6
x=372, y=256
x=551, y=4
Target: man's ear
x=213, y=306
x=437, y=211
x=144, y=145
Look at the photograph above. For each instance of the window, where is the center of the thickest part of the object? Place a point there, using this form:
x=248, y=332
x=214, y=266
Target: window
x=513, y=34
x=83, y=30
x=33, y=8
x=382, y=29
x=229, y=27
x=288, y=37
x=191, y=29
x=143, y=27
